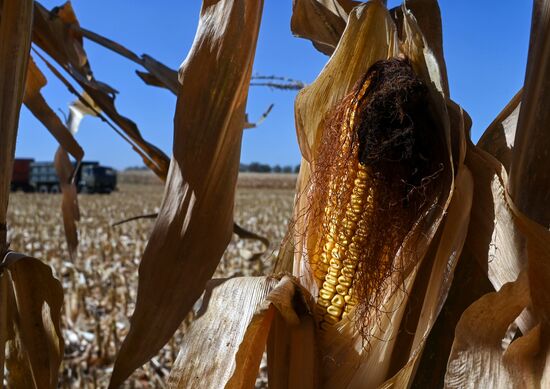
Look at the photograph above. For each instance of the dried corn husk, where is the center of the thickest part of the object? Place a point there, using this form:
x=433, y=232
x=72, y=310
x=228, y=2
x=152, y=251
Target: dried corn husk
x=234, y=323
x=33, y=299
x=498, y=138
x=321, y=21
x=196, y=217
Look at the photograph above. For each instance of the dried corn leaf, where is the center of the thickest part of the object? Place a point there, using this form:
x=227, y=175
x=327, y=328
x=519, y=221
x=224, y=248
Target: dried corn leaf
x=35, y=102
x=243, y=233
x=52, y=33
x=38, y=106
x=498, y=138
x=495, y=245
x=233, y=325
x=69, y=202
x=64, y=168
x=57, y=34
x=15, y=32
x=196, y=217
x=529, y=173
x=321, y=21
x=36, y=311
x=86, y=105
x=159, y=74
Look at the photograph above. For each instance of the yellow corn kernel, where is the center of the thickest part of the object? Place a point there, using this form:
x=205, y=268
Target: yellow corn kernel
x=342, y=290
x=334, y=311
x=327, y=295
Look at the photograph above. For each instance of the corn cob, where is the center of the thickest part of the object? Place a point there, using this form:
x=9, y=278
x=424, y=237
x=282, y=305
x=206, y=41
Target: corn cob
x=372, y=160
x=344, y=222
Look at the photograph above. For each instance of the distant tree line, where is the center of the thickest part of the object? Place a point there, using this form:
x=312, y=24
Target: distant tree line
x=256, y=167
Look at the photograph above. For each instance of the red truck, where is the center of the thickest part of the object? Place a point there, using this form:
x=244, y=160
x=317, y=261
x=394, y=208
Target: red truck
x=21, y=175
x=31, y=176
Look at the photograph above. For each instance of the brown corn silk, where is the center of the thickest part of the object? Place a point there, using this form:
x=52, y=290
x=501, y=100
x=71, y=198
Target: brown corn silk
x=30, y=297
x=195, y=222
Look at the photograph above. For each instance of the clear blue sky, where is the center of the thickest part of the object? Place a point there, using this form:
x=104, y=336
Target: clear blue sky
x=485, y=46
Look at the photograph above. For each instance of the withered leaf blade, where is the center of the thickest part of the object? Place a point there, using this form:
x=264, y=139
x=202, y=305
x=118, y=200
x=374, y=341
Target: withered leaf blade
x=52, y=34
x=38, y=299
x=529, y=173
x=233, y=319
x=159, y=74
x=69, y=201
x=15, y=35
x=195, y=222
x=246, y=234
x=42, y=111
x=321, y=21
x=225, y=344
x=498, y=138
x=57, y=34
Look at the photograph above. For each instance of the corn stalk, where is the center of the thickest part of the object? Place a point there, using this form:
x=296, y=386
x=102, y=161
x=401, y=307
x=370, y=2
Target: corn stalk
x=31, y=298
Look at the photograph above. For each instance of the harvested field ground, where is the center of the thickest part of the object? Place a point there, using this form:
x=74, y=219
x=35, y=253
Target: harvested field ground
x=100, y=285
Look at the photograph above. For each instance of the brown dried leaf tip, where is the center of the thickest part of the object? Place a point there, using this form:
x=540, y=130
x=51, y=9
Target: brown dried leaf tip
x=374, y=176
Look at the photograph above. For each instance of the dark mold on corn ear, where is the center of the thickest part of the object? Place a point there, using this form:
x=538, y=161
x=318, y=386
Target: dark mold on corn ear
x=395, y=121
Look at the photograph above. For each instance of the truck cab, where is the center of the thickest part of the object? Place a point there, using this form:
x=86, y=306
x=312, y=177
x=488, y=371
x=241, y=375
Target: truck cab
x=95, y=178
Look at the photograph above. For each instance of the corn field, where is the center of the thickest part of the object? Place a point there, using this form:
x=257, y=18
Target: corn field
x=403, y=255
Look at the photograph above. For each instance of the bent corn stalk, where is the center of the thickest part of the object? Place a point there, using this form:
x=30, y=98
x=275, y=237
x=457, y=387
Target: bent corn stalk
x=30, y=297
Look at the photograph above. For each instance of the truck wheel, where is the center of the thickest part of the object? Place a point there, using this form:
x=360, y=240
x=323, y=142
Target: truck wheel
x=43, y=189
x=54, y=189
